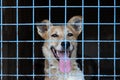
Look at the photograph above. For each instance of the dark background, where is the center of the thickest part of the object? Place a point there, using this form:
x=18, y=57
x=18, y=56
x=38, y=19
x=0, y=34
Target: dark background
x=25, y=34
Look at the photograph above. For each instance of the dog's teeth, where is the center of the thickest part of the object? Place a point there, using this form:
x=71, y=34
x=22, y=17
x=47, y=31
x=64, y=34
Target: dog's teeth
x=57, y=53
x=68, y=53
x=54, y=50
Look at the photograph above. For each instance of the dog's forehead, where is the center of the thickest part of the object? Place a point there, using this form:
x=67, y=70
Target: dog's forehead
x=60, y=29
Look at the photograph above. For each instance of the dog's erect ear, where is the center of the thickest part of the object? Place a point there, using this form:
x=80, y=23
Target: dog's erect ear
x=76, y=23
x=43, y=28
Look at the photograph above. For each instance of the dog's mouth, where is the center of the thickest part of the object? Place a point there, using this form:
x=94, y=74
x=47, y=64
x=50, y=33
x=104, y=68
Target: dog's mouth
x=61, y=53
x=63, y=58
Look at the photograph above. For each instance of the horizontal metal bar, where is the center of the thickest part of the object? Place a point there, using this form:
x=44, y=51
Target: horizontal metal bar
x=20, y=24
x=61, y=6
x=40, y=58
x=20, y=75
x=24, y=41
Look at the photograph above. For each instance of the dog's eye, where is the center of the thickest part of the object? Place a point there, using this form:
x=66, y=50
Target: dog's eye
x=70, y=34
x=54, y=35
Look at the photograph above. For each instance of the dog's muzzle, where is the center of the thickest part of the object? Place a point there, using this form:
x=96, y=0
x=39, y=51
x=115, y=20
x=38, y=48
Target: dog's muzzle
x=65, y=45
x=63, y=57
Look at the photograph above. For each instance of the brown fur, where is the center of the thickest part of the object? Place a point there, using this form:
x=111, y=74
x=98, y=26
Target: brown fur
x=51, y=65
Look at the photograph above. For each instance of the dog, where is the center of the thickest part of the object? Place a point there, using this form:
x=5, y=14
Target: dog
x=60, y=49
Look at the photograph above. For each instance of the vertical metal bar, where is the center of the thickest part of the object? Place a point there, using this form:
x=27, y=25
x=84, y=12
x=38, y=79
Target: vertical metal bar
x=49, y=33
x=83, y=36
x=65, y=32
x=33, y=39
x=98, y=39
x=114, y=39
x=1, y=44
x=17, y=61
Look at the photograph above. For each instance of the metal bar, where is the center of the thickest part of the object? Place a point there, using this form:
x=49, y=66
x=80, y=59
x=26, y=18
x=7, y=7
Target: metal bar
x=1, y=73
x=114, y=40
x=62, y=6
x=83, y=70
x=62, y=40
x=17, y=43
x=58, y=24
x=30, y=75
x=49, y=33
x=98, y=39
x=92, y=58
x=33, y=60
x=65, y=30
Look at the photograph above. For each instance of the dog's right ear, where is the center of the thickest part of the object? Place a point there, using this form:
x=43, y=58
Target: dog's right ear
x=76, y=23
x=42, y=29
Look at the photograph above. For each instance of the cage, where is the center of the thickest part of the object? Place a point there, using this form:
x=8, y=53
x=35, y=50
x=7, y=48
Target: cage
x=21, y=56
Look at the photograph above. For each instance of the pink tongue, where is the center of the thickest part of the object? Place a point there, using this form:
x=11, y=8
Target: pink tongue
x=64, y=64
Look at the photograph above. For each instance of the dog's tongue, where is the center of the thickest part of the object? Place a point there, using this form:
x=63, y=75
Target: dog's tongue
x=64, y=63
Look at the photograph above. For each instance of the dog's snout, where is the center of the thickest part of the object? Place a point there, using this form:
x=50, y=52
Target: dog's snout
x=65, y=45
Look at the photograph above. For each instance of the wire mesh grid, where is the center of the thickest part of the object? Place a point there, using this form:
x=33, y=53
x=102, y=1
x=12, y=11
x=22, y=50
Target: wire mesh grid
x=21, y=55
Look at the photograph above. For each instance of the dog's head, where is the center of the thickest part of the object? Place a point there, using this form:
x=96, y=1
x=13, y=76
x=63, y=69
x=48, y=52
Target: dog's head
x=60, y=40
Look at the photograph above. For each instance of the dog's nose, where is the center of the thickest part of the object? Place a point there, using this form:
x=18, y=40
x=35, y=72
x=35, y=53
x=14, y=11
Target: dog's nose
x=65, y=45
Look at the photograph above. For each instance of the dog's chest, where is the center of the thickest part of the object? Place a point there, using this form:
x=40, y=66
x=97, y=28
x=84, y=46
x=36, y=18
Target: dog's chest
x=72, y=75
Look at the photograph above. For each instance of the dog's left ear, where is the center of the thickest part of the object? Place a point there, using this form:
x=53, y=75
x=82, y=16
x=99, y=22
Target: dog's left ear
x=42, y=29
x=76, y=23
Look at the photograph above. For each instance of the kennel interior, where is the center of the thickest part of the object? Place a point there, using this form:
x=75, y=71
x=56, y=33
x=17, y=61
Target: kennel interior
x=21, y=57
